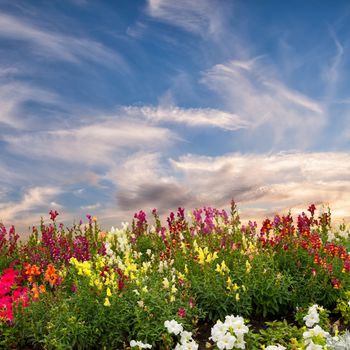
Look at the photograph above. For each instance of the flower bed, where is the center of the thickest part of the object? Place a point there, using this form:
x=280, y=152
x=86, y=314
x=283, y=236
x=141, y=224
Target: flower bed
x=152, y=285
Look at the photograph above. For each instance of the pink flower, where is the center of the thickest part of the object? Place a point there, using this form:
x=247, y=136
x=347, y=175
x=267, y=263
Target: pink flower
x=53, y=214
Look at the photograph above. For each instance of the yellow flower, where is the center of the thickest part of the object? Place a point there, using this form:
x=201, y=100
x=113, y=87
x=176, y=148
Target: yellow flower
x=248, y=267
x=107, y=303
x=201, y=256
x=237, y=296
x=166, y=283
x=181, y=276
x=109, y=293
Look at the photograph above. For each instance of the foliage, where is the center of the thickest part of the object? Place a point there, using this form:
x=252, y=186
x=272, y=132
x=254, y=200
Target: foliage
x=82, y=288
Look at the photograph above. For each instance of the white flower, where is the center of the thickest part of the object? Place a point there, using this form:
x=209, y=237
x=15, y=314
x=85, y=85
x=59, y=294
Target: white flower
x=313, y=346
x=218, y=331
x=226, y=342
x=237, y=324
x=185, y=336
x=275, y=347
x=192, y=345
x=140, y=345
x=173, y=327
x=314, y=332
x=311, y=318
x=240, y=343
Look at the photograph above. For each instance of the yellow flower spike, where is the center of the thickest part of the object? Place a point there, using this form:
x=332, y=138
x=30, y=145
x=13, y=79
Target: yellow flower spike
x=218, y=268
x=166, y=283
x=180, y=276
x=215, y=256
x=108, y=292
x=235, y=287
x=172, y=298
x=186, y=269
x=201, y=256
x=237, y=297
x=248, y=267
x=132, y=276
x=209, y=258
x=145, y=289
x=173, y=289
x=107, y=303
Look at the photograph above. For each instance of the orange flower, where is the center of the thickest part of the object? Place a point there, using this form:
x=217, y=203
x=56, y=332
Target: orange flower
x=31, y=271
x=51, y=275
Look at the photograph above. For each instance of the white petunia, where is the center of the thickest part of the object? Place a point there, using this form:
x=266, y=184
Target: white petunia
x=313, y=346
x=317, y=331
x=311, y=318
x=275, y=347
x=185, y=336
x=218, y=331
x=226, y=342
x=240, y=343
x=173, y=327
x=140, y=345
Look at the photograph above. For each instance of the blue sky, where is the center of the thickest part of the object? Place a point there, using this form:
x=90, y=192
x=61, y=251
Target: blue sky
x=108, y=107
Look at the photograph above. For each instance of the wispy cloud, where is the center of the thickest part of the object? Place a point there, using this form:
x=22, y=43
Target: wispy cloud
x=204, y=117
x=251, y=91
x=332, y=74
x=202, y=17
x=96, y=143
x=36, y=198
x=58, y=46
x=14, y=95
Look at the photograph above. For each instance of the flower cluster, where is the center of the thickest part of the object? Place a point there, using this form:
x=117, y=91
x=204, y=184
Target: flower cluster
x=186, y=341
x=314, y=338
x=11, y=293
x=229, y=334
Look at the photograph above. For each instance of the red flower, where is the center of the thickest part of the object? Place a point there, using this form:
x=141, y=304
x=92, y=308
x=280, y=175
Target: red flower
x=312, y=209
x=181, y=312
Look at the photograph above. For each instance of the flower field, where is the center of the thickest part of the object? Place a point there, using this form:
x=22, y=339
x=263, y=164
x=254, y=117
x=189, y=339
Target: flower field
x=200, y=280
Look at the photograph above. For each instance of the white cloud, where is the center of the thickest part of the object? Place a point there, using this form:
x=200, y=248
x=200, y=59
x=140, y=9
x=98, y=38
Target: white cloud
x=35, y=198
x=91, y=206
x=252, y=92
x=8, y=71
x=96, y=143
x=189, y=116
x=269, y=182
x=58, y=46
x=200, y=17
x=13, y=95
